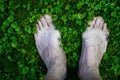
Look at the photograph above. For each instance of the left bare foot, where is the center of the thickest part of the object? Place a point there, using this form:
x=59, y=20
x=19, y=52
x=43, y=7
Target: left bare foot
x=48, y=45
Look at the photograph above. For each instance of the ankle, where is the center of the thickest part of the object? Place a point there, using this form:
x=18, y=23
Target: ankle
x=91, y=73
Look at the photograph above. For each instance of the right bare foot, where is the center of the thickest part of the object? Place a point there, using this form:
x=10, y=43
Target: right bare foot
x=93, y=47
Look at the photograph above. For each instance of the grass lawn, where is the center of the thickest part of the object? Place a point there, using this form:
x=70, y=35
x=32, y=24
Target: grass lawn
x=19, y=58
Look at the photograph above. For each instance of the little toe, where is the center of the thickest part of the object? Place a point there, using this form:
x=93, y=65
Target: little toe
x=36, y=34
x=104, y=27
x=38, y=28
x=105, y=30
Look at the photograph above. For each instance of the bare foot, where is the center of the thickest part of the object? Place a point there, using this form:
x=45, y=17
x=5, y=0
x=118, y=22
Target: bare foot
x=48, y=45
x=93, y=47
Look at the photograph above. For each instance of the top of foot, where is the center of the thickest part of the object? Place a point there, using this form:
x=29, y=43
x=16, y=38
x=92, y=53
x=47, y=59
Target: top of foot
x=96, y=36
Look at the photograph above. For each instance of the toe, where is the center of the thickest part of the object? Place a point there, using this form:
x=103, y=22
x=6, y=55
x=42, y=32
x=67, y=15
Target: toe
x=39, y=24
x=105, y=30
x=48, y=19
x=101, y=23
x=43, y=22
x=105, y=27
x=38, y=28
x=93, y=22
x=98, y=22
x=37, y=32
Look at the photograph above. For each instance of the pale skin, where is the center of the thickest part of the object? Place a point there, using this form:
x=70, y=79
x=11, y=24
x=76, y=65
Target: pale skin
x=94, y=45
x=48, y=45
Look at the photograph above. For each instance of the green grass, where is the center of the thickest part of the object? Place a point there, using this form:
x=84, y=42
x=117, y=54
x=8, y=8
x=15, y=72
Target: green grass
x=19, y=59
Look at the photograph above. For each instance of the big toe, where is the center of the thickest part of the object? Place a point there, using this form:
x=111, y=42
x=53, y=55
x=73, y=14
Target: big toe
x=48, y=19
x=98, y=23
x=44, y=22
